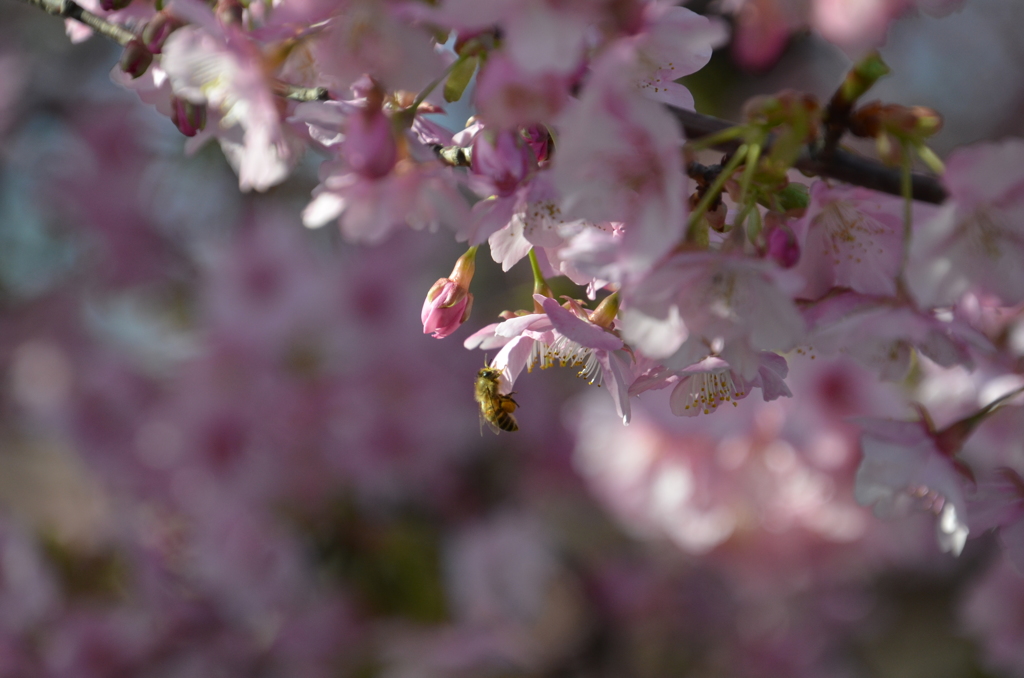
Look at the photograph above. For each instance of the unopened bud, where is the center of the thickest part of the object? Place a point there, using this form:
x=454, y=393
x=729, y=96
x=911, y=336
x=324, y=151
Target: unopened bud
x=136, y=58
x=157, y=30
x=449, y=301
x=188, y=117
x=783, y=247
x=604, y=314
x=538, y=139
x=229, y=12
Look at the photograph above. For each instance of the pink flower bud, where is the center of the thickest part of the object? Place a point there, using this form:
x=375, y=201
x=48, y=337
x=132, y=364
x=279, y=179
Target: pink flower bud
x=188, y=117
x=135, y=59
x=449, y=301
x=538, y=139
x=503, y=158
x=369, y=145
x=157, y=30
x=447, y=306
x=229, y=12
x=783, y=247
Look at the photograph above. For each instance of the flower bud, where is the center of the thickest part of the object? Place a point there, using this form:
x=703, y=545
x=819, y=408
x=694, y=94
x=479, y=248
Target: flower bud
x=783, y=247
x=229, y=12
x=136, y=58
x=503, y=158
x=188, y=117
x=157, y=30
x=449, y=301
x=114, y=5
x=604, y=314
x=369, y=146
x=539, y=141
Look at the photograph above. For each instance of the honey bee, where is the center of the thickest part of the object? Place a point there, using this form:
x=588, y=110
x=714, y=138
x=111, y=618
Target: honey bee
x=495, y=408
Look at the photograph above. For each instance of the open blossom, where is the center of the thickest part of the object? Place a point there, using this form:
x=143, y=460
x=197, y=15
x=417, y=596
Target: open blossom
x=850, y=237
x=883, y=335
x=371, y=38
x=507, y=98
x=539, y=35
x=367, y=201
x=704, y=387
x=976, y=241
x=671, y=42
x=217, y=66
x=697, y=301
x=563, y=336
x=619, y=160
x=903, y=464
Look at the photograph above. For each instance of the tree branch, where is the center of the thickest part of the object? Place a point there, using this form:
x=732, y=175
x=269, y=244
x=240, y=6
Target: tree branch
x=841, y=165
x=68, y=9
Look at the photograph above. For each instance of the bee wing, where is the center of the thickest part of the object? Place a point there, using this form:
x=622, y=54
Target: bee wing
x=490, y=425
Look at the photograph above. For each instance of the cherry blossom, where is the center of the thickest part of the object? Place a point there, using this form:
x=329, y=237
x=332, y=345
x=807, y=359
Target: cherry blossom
x=974, y=243
x=212, y=65
x=705, y=386
x=618, y=160
x=697, y=302
x=902, y=465
x=850, y=237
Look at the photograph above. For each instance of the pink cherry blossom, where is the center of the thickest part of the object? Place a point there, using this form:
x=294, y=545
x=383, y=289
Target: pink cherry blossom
x=619, y=160
x=695, y=302
x=369, y=146
x=540, y=35
x=850, y=237
x=882, y=334
x=211, y=65
x=558, y=336
x=373, y=38
x=903, y=465
x=672, y=42
x=976, y=241
x=507, y=98
x=711, y=383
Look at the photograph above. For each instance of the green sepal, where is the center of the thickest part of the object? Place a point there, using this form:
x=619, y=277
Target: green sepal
x=459, y=78
x=793, y=197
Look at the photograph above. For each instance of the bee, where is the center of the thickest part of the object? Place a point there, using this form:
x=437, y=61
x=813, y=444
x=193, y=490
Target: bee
x=495, y=408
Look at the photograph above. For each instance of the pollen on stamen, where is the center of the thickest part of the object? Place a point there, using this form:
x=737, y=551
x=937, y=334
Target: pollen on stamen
x=708, y=391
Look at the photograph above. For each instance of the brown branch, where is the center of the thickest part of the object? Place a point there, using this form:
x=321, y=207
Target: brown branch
x=841, y=165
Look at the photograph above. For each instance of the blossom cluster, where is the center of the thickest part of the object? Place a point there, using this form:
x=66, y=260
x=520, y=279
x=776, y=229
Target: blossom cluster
x=571, y=159
x=282, y=458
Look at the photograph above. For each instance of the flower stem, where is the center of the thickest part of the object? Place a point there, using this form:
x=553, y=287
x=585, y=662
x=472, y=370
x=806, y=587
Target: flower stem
x=540, y=285
x=716, y=187
x=422, y=96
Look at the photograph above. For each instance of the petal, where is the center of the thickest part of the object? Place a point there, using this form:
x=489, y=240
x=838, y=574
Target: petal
x=580, y=331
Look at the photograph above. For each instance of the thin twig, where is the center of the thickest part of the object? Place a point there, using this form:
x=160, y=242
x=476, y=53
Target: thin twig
x=68, y=9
